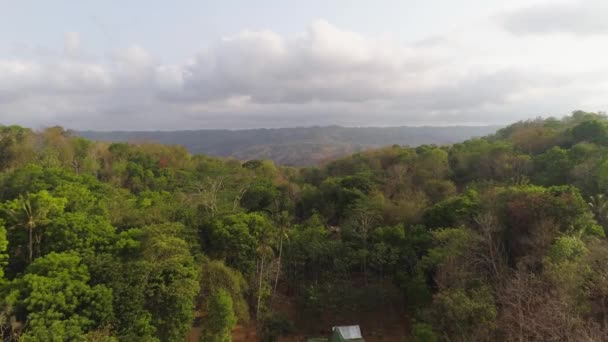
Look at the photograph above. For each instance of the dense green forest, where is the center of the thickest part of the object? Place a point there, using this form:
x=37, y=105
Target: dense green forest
x=297, y=146
x=499, y=238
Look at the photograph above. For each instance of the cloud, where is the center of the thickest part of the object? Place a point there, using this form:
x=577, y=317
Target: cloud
x=326, y=64
x=323, y=75
x=581, y=17
x=72, y=43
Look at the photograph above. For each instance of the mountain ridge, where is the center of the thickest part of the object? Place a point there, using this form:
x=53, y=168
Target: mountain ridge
x=296, y=146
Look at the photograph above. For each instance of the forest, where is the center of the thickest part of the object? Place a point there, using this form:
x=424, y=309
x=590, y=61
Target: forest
x=500, y=238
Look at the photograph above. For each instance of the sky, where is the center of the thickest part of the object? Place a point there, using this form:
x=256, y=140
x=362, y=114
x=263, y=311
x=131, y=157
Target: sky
x=166, y=65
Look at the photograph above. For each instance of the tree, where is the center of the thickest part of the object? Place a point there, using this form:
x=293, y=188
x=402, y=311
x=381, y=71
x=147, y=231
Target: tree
x=423, y=332
x=128, y=282
x=592, y=131
x=220, y=318
x=172, y=281
x=597, y=259
x=283, y=235
x=490, y=250
x=311, y=256
x=266, y=240
x=259, y=196
x=55, y=301
x=534, y=216
x=534, y=138
x=364, y=215
x=483, y=159
x=454, y=211
x=79, y=232
x=463, y=315
x=16, y=146
x=450, y=258
x=231, y=239
x=207, y=192
x=553, y=167
x=3, y=250
x=274, y=326
x=599, y=206
x=216, y=276
x=431, y=164
x=531, y=311
x=32, y=212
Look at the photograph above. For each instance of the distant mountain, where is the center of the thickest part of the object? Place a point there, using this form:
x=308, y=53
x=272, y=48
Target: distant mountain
x=296, y=146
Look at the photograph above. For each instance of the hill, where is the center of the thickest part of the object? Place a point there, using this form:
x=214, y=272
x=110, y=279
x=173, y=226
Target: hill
x=499, y=238
x=300, y=146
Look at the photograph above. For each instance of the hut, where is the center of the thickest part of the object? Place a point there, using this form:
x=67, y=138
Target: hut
x=346, y=333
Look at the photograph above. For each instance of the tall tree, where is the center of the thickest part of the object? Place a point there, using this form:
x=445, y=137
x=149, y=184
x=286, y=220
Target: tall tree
x=32, y=212
x=172, y=281
x=220, y=318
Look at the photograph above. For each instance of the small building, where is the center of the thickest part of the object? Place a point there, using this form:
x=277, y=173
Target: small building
x=347, y=333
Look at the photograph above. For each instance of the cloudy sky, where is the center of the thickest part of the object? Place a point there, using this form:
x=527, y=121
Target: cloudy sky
x=145, y=64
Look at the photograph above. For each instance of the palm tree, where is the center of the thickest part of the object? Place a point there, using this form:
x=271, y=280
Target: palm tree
x=599, y=206
x=264, y=252
x=266, y=235
x=31, y=212
x=283, y=220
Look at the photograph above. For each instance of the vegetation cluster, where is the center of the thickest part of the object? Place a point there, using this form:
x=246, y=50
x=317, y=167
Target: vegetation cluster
x=501, y=238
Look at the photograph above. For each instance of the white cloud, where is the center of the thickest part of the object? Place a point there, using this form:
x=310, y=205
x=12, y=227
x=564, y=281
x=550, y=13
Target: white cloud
x=581, y=17
x=324, y=75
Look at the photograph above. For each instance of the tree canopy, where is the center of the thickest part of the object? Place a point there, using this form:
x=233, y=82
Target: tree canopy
x=495, y=238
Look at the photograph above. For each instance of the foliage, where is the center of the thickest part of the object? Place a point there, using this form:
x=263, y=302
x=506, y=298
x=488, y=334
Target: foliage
x=495, y=238
x=423, y=332
x=215, y=276
x=56, y=302
x=276, y=325
x=220, y=318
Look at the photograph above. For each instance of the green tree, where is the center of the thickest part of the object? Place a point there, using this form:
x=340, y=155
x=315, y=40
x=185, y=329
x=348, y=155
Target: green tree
x=79, y=232
x=599, y=206
x=231, y=239
x=364, y=215
x=33, y=212
x=464, y=315
x=592, y=131
x=216, y=276
x=3, y=250
x=172, y=281
x=220, y=318
x=16, y=146
x=55, y=301
x=553, y=167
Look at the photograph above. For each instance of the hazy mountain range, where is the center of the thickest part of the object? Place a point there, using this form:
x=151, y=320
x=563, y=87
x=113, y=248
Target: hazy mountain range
x=296, y=146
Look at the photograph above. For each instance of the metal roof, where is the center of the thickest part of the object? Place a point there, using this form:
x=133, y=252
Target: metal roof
x=349, y=332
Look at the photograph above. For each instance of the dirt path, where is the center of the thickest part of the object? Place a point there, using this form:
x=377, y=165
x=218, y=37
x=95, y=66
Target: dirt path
x=244, y=333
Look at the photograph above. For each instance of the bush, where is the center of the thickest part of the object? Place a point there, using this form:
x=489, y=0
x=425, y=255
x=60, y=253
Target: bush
x=276, y=325
x=422, y=332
